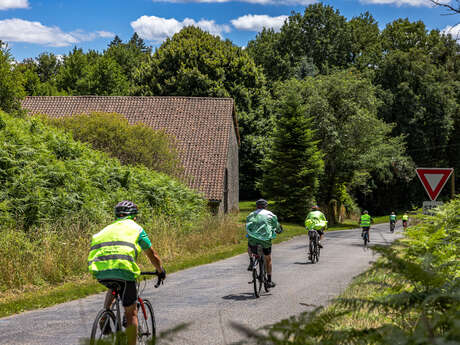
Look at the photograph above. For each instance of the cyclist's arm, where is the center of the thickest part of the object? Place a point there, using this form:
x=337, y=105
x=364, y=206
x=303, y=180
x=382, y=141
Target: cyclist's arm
x=154, y=258
x=146, y=246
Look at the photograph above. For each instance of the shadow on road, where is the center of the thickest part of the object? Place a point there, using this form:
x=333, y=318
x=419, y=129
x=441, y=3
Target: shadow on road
x=240, y=297
x=303, y=263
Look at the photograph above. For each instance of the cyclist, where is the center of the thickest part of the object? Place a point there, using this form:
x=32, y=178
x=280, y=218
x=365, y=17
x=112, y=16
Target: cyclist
x=261, y=227
x=365, y=223
x=405, y=219
x=316, y=220
x=392, y=220
x=112, y=261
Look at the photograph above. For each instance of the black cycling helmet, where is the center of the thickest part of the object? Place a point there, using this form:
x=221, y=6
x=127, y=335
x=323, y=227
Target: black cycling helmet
x=125, y=208
x=262, y=203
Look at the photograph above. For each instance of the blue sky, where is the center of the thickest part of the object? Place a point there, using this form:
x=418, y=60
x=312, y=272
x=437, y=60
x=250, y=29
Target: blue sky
x=34, y=26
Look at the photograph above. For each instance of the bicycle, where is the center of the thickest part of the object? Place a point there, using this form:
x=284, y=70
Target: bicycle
x=314, y=249
x=366, y=236
x=108, y=325
x=392, y=226
x=259, y=273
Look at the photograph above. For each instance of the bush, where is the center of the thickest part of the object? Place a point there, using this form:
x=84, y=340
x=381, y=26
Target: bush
x=131, y=144
x=46, y=176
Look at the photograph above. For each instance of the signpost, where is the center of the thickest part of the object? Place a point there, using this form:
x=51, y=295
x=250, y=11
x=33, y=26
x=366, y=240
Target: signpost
x=434, y=180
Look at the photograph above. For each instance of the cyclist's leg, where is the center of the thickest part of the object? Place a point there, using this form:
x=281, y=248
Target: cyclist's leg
x=321, y=235
x=109, y=298
x=251, y=261
x=268, y=265
x=129, y=300
x=131, y=323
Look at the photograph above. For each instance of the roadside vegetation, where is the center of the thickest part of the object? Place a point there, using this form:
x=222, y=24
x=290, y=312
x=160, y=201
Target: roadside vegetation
x=131, y=144
x=409, y=296
x=57, y=192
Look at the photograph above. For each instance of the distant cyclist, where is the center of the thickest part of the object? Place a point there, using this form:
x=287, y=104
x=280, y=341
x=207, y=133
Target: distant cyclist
x=112, y=260
x=405, y=219
x=365, y=223
x=392, y=221
x=261, y=227
x=316, y=220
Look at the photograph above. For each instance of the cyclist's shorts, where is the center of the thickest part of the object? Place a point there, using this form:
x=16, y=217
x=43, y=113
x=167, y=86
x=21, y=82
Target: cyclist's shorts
x=267, y=251
x=127, y=290
x=366, y=228
x=404, y=222
x=266, y=245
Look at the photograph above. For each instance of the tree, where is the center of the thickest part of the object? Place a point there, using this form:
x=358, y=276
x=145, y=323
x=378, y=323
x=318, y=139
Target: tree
x=366, y=44
x=264, y=49
x=453, y=9
x=129, y=56
x=105, y=77
x=294, y=164
x=11, y=88
x=74, y=67
x=320, y=36
x=47, y=67
x=357, y=146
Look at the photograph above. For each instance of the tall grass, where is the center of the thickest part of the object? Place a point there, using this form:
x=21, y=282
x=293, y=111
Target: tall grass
x=55, y=254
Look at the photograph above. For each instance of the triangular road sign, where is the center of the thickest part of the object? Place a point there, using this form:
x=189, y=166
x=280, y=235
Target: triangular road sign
x=434, y=179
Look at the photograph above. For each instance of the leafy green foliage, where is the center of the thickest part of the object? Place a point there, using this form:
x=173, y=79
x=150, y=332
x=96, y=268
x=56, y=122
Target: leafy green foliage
x=11, y=90
x=131, y=144
x=46, y=176
x=357, y=146
x=293, y=166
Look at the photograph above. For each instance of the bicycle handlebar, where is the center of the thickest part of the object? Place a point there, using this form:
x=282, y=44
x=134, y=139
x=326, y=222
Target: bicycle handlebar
x=153, y=273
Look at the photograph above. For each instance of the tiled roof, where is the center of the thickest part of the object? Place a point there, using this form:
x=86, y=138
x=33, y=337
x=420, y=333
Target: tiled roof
x=202, y=127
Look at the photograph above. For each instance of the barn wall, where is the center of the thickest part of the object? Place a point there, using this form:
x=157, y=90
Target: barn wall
x=233, y=175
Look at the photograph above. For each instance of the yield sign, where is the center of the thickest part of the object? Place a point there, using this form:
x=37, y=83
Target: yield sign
x=434, y=179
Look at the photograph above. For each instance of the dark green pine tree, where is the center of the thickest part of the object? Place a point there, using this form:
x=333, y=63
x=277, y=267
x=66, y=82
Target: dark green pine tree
x=293, y=167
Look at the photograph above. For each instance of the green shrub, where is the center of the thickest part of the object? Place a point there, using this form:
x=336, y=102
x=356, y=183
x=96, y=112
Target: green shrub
x=131, y=144
x=46, y=176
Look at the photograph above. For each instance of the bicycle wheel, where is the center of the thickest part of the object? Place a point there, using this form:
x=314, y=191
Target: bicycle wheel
x=366, y=238
x=105, y=328
x=256, y=275
x=317, y=251
x=265, y=277
x=146, y=329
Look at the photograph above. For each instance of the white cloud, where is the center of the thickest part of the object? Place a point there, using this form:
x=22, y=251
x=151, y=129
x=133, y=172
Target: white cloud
x=252, y=22
x=19, y=30
x=8, y=4
x=453, y=30
x=260, y=2
x=399, y=3
x=157, y=29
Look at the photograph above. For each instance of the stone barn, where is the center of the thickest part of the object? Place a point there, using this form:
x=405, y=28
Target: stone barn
x=206, y=130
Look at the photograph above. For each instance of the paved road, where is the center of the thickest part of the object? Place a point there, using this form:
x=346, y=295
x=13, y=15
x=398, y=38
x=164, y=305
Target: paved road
x=210, y=296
